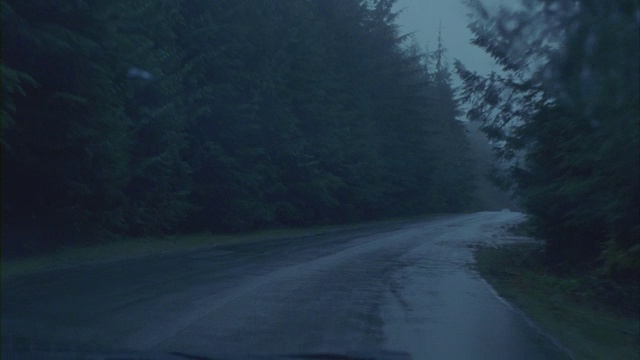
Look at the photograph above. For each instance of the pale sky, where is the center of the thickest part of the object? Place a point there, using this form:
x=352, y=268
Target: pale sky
x=424, y=16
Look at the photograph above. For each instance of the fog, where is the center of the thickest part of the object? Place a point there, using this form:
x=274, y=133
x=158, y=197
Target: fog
x=424, y=17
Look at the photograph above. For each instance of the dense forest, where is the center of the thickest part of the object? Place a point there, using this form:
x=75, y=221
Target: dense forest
x=565, y=115
x=138, y=118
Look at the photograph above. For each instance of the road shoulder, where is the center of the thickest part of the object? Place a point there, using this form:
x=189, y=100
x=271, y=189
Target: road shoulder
x=565, y=307
x=120, y=249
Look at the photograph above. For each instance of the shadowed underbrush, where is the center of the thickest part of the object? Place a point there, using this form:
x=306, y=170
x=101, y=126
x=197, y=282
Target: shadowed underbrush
x=596, y=318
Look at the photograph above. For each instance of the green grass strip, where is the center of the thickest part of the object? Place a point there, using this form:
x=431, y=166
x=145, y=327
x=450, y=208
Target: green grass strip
x=566, y=307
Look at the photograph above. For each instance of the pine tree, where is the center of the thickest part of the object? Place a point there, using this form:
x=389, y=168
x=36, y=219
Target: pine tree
x=566, y=108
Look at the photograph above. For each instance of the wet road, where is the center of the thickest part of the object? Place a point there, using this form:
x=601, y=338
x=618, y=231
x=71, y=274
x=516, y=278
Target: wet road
x=407, y=287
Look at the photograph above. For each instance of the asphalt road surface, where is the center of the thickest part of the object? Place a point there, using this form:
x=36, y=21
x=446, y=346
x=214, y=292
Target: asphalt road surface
x=407, y=287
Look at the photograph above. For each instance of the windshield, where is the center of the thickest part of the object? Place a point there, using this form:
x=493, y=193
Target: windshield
x=324, y=178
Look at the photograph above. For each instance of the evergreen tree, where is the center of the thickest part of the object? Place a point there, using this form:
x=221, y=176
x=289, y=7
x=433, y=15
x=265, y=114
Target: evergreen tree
x=138, y=118
x=452, y=186
x=569, y=104
x=66, y=158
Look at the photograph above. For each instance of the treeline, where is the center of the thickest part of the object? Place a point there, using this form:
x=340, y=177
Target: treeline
x=138, y=117
x=565, y=113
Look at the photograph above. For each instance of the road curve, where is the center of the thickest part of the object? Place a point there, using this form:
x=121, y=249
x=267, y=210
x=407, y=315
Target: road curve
x=404, y=287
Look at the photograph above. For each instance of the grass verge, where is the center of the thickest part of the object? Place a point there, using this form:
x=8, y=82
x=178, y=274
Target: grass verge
x=567, y=307
x=128, y=248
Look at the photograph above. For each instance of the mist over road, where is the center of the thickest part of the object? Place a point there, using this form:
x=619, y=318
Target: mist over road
x=404, y=287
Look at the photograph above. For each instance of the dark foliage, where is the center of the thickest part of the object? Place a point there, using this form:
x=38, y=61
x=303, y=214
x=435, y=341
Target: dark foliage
x=144, y=118
x=566, y=114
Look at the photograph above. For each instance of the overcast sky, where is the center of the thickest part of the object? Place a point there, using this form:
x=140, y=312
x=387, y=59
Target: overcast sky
x=424, y=16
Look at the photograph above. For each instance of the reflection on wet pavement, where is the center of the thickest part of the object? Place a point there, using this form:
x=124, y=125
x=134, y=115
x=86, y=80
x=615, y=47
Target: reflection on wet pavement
x=439, y=307
x=408, y=287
